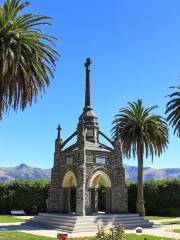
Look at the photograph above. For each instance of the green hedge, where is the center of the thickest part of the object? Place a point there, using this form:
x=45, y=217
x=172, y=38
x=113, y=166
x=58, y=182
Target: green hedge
x=161, y=197
x=28, y=195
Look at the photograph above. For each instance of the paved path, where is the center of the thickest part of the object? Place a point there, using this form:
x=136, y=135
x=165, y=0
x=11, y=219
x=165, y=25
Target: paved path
x=24, y=217
x=161, y=231
x=157, y=230
x=28, y=229
x=165, y=220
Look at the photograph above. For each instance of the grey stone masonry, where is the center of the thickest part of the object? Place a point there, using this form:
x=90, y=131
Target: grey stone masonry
x=79, y=168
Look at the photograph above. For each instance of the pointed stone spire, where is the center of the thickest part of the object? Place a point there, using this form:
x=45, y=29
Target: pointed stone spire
x=58, y=147
x=59, y=133
x=88, y=125
x=88, y=84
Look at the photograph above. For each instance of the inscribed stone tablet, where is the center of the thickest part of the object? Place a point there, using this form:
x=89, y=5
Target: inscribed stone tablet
x=101, y=160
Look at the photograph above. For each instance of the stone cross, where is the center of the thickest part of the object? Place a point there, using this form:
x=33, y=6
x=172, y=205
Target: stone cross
x=88, y=63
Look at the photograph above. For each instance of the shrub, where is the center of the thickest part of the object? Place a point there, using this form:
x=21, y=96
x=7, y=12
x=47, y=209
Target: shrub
x=34, y=210
x=23, y=195
x=116, y=234
x=162, y=197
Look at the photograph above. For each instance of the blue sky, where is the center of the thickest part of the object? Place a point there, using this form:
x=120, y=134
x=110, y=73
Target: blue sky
x=135, y=49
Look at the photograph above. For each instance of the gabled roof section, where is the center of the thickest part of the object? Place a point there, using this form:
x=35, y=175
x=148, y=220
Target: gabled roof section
x=89, y=146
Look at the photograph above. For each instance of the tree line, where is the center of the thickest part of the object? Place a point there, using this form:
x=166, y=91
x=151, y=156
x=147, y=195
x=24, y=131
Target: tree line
x=161, y=196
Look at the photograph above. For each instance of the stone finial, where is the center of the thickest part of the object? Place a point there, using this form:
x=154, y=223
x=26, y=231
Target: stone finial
x=59, y=132
x=88, y=63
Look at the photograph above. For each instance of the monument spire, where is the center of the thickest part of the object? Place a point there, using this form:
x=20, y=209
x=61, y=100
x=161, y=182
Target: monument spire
x=59, y=132
x=88, y=116
x=88, y=84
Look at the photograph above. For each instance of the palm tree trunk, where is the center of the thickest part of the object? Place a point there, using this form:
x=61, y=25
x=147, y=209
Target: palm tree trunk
x=140, y=191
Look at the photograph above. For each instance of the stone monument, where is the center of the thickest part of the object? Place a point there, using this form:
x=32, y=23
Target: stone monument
x=79, y=168
x=76, y=202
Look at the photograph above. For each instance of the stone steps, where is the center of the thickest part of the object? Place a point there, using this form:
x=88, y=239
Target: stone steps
x=89, y=218
x=75, y=224
x=102, y=221
x=89, y=225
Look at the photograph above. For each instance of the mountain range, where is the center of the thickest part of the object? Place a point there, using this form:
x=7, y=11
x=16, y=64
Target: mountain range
x=25, y=172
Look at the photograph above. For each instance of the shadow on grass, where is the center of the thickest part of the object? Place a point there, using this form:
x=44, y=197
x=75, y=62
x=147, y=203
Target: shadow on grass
x=20, y=227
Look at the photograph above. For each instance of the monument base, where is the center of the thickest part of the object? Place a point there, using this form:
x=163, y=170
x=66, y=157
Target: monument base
x=87, y=225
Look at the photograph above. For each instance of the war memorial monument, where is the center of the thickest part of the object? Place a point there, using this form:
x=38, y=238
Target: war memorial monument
x=75, y=201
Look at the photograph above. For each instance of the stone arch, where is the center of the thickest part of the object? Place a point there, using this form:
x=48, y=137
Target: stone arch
x=94, y=180
x=99, y=198
x=69, y=180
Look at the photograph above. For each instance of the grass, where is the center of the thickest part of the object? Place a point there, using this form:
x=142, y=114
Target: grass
x=176, y=230
x=171, y=222
x=21, y=236
x=157, y=217
x=144, y=236
x=9, y=219
x=24, y=236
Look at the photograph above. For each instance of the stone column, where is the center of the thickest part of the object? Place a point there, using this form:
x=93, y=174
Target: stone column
x=88, y=202
x=52, y=201
x=92, y=200
x=119, y=192
x=108, y=200
x=96, y=199
x=54, y=192
x=67, y=197
x=80, y=201
x=61, y=200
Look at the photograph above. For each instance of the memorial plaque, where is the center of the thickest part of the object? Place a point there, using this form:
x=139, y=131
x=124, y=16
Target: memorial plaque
x=101, y=160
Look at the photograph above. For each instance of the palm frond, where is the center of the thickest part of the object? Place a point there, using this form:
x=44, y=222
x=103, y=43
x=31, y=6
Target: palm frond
x=173, y=110
x=138, y=128
x=27, y=56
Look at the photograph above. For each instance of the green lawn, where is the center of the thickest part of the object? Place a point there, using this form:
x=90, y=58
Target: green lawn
x=25, y=236
x=171, y=222
x=176, y=230
x=21, y=236
x=9, y=219
x=143, y=237
x=157, y=217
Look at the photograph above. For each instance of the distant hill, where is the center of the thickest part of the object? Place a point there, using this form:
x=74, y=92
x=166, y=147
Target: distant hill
x=24, y=171
x=152, y=173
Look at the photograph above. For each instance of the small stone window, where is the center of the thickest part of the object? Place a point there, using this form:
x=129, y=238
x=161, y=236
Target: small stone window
x=90, y=133
x=69, y=160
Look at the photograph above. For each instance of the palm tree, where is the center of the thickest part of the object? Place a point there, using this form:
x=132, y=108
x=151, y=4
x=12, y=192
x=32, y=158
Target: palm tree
x=27, y=56
x=173, y=110
x=141, y=133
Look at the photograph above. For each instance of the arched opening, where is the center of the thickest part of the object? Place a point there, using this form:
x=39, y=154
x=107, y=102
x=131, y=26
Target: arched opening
x=69, y=185
x=101, y=196
x=100, y=189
